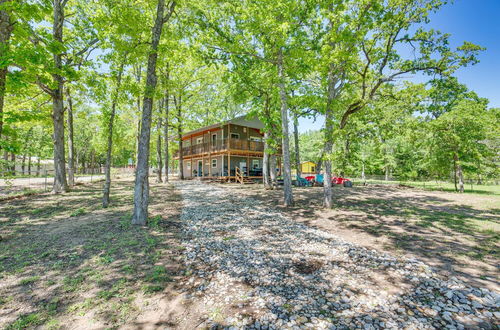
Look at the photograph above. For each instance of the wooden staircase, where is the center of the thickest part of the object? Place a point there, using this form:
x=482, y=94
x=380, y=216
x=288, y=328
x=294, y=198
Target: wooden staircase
x=242, y=179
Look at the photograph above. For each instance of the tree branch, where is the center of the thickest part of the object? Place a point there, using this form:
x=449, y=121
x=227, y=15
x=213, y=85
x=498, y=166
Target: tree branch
x=83, y=50
x=170, y=12
x=44, y=87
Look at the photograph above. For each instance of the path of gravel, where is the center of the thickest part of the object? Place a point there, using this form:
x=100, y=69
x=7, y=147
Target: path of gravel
x=255, y=268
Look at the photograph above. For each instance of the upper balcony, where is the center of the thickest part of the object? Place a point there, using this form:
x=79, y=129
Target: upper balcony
x=219, y=145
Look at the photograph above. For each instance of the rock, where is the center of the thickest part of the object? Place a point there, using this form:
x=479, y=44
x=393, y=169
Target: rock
x=476, y=305
x=236, y=243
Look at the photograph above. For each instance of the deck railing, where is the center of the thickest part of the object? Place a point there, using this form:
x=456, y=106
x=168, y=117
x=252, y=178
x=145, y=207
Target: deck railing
x=221, y=145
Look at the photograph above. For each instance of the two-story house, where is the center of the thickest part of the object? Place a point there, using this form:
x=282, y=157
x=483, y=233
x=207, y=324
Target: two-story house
x=230, y=151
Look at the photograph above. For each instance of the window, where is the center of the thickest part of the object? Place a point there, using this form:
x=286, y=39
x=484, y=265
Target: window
x=255, y=139
x=255, y=163
x=235, y=136
x=214, y=163
x=189, y=165
x=313, y=169
x=199, y=140
x=214, y=139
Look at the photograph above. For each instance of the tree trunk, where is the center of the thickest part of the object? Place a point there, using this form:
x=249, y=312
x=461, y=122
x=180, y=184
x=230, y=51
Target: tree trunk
x=6, y=26
x=38, y=166
x=265, y=163
x=455, y=172
x=109, y=150
x=60, y=183
x=165, y=133
x=138, y=74
x=137, y=139
x=71, y=148
x=84, y=164
x=272, y=170
x=319, y=164
x=327, y=150
x=327, y=178
x=386, y=172
x=13, y=163
x=23, y=164
x=287, y=175
x=363, y=177
x=5, y=167
x=159, y=156
x=296, y=140
x=92, y=162
x=29, y=165
x=141, y=192
x=178, y=105
x=460, y=174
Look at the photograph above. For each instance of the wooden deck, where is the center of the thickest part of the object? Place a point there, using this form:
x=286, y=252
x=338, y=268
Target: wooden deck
x=228, y=179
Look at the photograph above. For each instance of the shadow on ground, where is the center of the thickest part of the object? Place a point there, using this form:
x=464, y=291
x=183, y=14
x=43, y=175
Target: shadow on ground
x=243, y=250
x=453, y=237
x=65, y=260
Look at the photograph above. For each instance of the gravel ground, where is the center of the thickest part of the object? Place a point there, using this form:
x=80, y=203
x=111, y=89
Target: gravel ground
x=254, y=268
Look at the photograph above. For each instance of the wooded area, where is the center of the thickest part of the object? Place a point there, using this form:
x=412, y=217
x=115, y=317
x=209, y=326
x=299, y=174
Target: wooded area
x=143, y=231
x=106, y=83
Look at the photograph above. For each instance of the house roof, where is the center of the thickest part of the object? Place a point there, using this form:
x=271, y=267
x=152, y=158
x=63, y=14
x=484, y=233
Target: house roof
x=244, y=120
x=308, y=161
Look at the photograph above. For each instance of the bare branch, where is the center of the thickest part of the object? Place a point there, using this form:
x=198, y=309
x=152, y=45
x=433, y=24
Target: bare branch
x=244, y=54
x=170, y=12
x=83, y=51
x=44, y=87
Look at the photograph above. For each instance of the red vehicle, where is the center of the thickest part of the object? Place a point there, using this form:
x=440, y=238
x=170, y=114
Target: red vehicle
x=336, y=180
x=310, y=178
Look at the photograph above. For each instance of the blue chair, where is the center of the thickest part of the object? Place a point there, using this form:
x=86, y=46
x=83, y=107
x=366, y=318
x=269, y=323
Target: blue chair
x=301, y=182
x=319, y=178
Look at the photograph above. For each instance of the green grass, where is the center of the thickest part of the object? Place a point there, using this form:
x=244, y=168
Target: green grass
x=157, y=278
x=72, y=283
x=89, y=266
x=77, y=212
x=487, y=189
x=26, y=321
x=29, y=280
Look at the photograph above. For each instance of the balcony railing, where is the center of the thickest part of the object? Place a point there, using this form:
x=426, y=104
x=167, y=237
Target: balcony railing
x=221, y=145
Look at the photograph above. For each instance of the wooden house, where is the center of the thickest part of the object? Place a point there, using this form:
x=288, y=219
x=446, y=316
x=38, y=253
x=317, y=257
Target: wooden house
x=308, y=167
x=228, y=151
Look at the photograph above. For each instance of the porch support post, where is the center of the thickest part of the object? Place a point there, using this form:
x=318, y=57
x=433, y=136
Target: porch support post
x=209, y=154
x=248, y=163
x=228, y=136
x=222, y=165
x=229, y=166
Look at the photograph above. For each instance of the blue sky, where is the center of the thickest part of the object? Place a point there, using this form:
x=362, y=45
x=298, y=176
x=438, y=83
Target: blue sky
x=477, y=21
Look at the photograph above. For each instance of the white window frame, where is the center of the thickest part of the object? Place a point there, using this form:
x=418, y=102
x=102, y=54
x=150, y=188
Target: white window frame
x=214, y=141
x=255, y=162
x=214, y=162
x=188, y=165
x=235, y=134
x=255, y=139
x=199, y=140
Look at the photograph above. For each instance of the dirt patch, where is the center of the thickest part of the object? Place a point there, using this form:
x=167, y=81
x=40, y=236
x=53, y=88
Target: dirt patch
x=457, y=234
x=66, y=261
x=308, y=266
